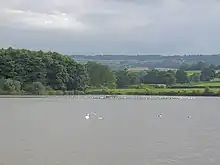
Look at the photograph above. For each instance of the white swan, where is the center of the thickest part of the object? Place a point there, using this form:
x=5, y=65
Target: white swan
x=93, y=113
x=100, y=118
x=160, y=115
x=87, y=116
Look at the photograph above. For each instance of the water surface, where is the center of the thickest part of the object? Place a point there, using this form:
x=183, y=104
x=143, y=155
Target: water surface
x=53, y=130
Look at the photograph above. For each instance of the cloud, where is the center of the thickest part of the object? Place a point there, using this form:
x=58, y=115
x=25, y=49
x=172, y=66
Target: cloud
x=112, y=26
x=29, y=19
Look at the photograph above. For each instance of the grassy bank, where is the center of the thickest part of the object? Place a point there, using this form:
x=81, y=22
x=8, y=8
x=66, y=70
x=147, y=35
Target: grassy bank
x=133, y=90
x=157, y=91
x=47, y=92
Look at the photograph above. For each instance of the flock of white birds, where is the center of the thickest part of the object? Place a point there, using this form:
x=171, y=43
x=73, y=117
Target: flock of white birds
x=89, y=115
x=141, y=97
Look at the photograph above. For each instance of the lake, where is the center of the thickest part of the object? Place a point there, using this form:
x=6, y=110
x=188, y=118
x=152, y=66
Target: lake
x=54, y=131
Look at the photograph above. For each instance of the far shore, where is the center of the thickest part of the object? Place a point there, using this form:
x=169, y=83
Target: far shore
x=115, y=92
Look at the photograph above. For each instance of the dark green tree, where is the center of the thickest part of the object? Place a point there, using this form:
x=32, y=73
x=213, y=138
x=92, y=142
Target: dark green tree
x=181, y=76
x=207, y=74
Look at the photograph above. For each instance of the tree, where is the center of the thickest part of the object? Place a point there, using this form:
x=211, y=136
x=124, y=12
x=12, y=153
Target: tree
x=80, y=78
x=154, y=77
x=195, y=77
x=100, y=75
x=218, y=75
x=35, y=88
x=11, y=85
x=198, y=66
x=122, y=78
x=2, y=81
x=170, y=79
x=49, y=68
x=207, y=74
x=134, y=78
x=212, y=66
x=181, y=76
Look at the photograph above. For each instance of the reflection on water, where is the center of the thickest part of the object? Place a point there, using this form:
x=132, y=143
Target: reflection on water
x=53, y=130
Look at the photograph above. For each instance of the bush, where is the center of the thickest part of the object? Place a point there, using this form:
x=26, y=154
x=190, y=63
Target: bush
x=2, y=81
x=207, y=91
x=17, y=85
x=159, y=86
x=51, y=92
x=36, y=88
x=59, y=92
x=10, y=85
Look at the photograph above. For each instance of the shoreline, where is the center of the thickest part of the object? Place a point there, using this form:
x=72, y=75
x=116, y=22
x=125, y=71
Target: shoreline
x=156, y=92
x=118, y=92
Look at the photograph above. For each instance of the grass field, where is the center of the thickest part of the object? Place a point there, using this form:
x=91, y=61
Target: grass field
x=212, y=83
x=156, y=91
x=138, y=69
x=191, y=72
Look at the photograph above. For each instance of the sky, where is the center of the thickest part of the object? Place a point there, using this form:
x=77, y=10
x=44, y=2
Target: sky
x=165, y=27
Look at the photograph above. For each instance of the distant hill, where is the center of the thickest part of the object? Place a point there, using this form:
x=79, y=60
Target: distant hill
x=147, y=61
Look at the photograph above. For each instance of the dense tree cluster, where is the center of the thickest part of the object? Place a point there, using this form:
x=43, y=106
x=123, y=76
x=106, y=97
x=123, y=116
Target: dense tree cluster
x=32, y=69
x=37, y=71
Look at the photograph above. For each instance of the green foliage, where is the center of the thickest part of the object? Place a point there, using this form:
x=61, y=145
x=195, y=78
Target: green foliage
x=10, y=85
x=169, y=78
x=48, y=68
x=181, y=76
x=123, y=79
x=100, y=75
x=159, y=77
x=162, y=91
x=37, y=72
x=207, y=91
x=35, y=88
x=195, y=77
x=207, y=74
x=2, y=81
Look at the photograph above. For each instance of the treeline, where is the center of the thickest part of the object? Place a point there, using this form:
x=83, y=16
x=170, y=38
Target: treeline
x=38, y=72
x=199, y=66
x=149, y=61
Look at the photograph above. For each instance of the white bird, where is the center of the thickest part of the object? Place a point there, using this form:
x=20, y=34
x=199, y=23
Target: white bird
x=100, y=118
x=87, y=116
x=93, y=113
x=160, y=115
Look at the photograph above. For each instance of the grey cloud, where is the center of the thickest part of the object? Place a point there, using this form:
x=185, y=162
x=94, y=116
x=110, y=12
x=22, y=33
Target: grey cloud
x=122, y=26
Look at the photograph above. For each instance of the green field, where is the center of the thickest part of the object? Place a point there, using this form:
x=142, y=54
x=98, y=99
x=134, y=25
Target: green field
x=212, y=83
x=191, y=72
x=138, y=69
x=156, y=91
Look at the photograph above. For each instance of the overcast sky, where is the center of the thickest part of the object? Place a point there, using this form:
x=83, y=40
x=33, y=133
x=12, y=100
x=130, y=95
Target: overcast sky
x=112, y=26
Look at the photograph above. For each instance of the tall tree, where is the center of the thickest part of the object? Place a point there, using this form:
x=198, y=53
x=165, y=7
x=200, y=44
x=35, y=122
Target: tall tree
x=123, y=79
x=181, y=76
x=100, y=75
x=207, y=74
